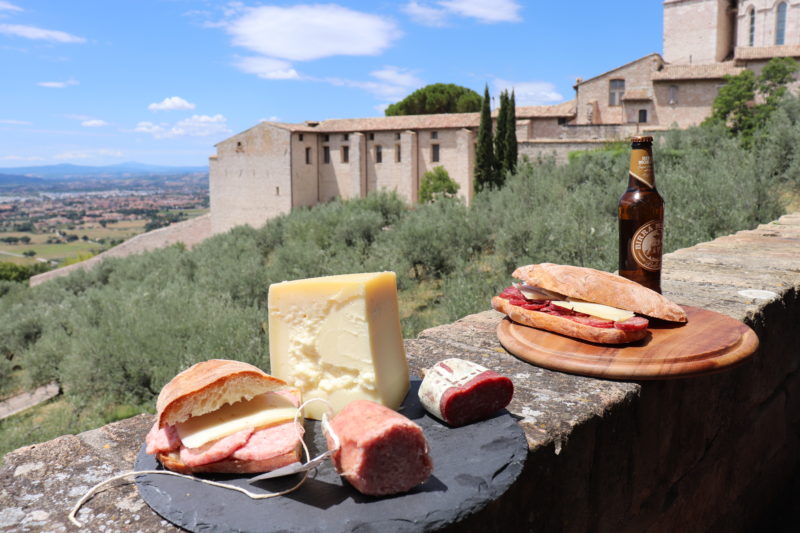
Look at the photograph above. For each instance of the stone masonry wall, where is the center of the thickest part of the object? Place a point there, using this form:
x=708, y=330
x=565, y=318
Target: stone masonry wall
x=709, y=453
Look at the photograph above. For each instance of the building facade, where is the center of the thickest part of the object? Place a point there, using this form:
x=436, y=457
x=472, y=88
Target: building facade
x=273, y=167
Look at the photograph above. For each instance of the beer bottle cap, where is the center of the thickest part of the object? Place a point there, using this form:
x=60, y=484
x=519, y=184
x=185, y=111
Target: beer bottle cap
x=642, y=139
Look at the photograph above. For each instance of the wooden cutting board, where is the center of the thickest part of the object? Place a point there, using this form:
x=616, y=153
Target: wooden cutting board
x=709, y=342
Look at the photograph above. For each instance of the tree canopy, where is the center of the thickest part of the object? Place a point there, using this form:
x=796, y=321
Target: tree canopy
x=437, y=98
x=746, y=101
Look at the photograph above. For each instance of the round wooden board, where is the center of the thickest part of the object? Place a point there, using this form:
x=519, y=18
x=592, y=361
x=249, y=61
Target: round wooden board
x=709, y=342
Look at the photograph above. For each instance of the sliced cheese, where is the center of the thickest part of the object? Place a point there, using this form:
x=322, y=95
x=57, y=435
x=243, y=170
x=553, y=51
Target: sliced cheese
x=537, y=293
x=263, y=410
x=599, y=310
x=339, y=338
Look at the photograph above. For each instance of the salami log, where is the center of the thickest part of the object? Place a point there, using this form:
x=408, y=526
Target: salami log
x=380, y=451
x=461, y=392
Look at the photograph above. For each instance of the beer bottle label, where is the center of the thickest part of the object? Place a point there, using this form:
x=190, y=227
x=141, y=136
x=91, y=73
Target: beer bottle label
x=646, y=245
x=642, y=166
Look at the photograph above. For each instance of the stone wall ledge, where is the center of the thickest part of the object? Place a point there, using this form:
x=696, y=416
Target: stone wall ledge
x=710, y=453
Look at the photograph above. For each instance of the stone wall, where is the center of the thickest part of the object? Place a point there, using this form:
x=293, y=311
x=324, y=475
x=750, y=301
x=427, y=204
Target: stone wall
x=250, y=178
x=592, y=97
x=710, y=453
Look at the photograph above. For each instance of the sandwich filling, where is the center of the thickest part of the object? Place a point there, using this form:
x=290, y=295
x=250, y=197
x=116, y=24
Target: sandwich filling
x=587, y=313
x=249, y=430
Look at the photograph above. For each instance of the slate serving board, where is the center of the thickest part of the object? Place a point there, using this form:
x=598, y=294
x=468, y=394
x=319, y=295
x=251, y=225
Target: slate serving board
x=472, y=465
x=709, y=342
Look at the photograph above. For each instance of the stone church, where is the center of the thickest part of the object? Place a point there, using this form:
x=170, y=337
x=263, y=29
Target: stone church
x=274, y=167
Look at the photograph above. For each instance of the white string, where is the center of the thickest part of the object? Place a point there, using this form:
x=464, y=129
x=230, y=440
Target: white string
x=252, y=495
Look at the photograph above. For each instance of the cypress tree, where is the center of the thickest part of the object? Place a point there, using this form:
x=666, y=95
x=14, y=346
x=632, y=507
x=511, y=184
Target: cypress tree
x=484, y=153
x=500, y=137
x=511, y=135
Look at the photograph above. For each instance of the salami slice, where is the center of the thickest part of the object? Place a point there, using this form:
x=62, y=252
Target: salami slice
x=162, y=440
x=461, y=392
x=270, y=442
x=632, y=324
x=214, y=451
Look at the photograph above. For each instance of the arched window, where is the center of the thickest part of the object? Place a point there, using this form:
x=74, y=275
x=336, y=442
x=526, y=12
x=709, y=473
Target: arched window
x=752, y=28
x=780, y=24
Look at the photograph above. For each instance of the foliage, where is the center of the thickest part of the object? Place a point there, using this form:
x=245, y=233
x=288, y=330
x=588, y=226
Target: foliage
x=436, y=183
x=509, y=165
x=14, y=272
x=505, y=139
x=437, y=98
x=485, y=162
x=746, y=101
x=500, y=135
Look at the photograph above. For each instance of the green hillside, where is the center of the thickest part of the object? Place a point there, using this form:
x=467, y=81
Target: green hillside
x=113, y=336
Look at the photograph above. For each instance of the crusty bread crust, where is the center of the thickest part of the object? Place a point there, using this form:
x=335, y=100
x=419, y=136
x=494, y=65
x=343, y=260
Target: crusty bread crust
x=565, y=326
x=207, y=386
x=172, y=461
x=600, y=287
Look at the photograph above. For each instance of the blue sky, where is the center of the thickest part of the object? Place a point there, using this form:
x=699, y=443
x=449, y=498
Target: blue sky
x=161, y=81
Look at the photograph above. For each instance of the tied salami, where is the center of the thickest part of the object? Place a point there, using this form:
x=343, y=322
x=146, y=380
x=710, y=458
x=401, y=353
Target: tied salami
x=380, y=451
x=460, y=392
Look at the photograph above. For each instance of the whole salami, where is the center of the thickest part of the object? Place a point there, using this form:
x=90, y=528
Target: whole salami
x=461, y=392
x=379, y=451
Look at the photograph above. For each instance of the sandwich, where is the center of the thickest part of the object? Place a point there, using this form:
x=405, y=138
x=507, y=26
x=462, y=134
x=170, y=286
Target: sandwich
x=584, y=303
x=226, y=416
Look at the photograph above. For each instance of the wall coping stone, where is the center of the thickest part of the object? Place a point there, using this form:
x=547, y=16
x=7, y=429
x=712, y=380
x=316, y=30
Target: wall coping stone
x=588, y=467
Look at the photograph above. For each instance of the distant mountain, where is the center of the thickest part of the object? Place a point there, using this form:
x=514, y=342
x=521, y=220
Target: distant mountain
x=13, y=179
x=68, y=171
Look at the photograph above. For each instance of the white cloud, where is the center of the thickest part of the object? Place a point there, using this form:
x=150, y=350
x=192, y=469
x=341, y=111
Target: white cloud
x=425, y=15
x=88, y=154
x=94, y=123
x=481, y=10
x=21, y=158
x=171, y=103
x=14, y=122
x=488, y=12
x=529, y=92
x=195, y=126
x=267, y=68
x=392, y=83
x=306, y=32
x=32, y=32
x=57, y=84
x=7, y=6
x=148, y=127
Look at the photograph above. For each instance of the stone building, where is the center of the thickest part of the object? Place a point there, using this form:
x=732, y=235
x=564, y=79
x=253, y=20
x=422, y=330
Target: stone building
x=273, y=167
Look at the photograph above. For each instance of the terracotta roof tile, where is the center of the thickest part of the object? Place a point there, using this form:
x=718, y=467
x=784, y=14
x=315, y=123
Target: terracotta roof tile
x=766, y=52
x=711, y=71
x=564, y=109
x=417, y=122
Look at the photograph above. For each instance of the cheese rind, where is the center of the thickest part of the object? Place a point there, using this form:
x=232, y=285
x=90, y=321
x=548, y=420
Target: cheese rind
x=263, y=410
x=339, y=338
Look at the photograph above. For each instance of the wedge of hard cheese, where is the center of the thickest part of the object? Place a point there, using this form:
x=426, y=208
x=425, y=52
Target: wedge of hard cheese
x=339, y=338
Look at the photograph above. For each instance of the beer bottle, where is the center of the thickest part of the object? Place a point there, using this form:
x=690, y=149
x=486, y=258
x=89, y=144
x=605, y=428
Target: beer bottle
x=641, y=219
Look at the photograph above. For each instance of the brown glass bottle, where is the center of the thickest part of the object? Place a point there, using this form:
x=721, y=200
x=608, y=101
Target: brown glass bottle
x=641, y=219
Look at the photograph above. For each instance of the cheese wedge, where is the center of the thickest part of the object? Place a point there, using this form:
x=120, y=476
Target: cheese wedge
x=339, y=338
x=599, y=310
x=263, y=410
